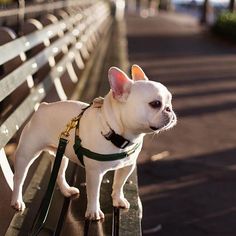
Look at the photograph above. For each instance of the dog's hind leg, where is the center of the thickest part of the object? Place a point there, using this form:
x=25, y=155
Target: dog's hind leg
x=65, y=188
x=24, y=157
x=29, y=148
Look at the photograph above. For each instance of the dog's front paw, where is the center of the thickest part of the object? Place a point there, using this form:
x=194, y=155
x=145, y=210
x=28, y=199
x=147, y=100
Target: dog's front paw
x=121, y=202
x=68, y=191
x=94, y=214
x=18, y=205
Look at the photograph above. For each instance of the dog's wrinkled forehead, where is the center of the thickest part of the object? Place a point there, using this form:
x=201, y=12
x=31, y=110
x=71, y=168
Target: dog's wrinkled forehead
x=150, y=90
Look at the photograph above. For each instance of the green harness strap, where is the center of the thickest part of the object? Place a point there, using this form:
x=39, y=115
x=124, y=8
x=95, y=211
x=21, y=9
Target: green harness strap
x=81, y=151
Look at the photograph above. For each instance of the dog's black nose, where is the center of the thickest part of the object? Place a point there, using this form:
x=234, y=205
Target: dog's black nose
x=168, y=109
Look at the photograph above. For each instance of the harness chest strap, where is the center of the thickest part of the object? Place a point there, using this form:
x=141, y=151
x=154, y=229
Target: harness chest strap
x=116, y=139
x=81, y=151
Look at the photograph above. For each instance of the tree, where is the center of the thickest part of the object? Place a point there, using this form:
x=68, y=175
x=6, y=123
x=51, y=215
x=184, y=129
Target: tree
x=231, y=5
x=204, y=11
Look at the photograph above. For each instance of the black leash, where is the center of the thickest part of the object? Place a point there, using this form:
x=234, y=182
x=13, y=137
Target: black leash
x=46, y=202
x=115, y=221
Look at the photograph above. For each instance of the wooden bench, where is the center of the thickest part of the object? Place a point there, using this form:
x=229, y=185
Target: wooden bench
x=54, y=58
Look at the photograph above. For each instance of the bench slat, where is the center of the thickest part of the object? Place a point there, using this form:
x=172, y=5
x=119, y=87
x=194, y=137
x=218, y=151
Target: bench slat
x=13, y=80
x=6, y=169
x=27, y=42
x=20, y=115
x=44, y=7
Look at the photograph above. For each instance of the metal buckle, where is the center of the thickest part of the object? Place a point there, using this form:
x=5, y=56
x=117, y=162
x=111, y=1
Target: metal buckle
x=108, y=135
x=125, y=144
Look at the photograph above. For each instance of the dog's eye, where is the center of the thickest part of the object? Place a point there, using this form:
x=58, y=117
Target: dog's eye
x=155, y=104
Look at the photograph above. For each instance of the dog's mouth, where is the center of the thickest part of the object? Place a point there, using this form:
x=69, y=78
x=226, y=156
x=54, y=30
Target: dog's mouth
x=166, y=125
x=154, y=128
x=159, y=128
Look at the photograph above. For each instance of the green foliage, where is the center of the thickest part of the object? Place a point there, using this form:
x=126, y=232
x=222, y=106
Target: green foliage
x=226, y=25
x=5, y=1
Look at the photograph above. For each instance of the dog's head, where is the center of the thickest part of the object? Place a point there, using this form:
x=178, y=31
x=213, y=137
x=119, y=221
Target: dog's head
x=145, y=106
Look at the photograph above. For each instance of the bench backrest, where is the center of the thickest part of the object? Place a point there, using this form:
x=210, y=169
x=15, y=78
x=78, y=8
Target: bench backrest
x=60, y=44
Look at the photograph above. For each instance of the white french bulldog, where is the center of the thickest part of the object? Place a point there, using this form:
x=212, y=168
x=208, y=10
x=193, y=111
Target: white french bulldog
x=131, y=109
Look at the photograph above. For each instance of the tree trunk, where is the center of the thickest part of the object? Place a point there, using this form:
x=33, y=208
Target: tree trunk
x=231, y=5
x=204, y=11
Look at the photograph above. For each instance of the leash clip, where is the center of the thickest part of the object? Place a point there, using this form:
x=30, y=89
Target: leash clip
x=71, y=125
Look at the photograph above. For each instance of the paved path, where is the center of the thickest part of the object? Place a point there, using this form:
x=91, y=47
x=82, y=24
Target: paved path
x=192, y=190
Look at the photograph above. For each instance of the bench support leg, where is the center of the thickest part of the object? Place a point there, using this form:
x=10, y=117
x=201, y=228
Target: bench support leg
x=120, y=177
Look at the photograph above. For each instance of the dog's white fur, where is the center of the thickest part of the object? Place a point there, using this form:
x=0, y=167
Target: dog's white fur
x=126, y=110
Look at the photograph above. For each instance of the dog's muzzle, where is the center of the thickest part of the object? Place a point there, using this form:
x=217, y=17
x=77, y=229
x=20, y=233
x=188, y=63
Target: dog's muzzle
x=170, y=122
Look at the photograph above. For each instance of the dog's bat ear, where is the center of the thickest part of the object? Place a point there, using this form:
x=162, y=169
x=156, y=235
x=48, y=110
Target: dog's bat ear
x=120, y=84
x=137, y=73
